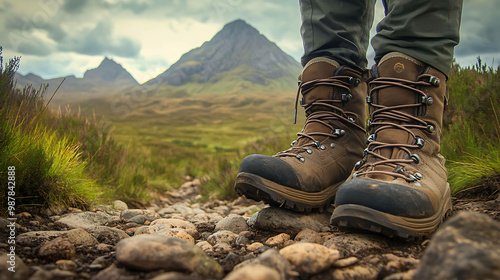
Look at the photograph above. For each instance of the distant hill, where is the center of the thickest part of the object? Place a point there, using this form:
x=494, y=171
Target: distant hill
x=109, y=77
x=237, y=59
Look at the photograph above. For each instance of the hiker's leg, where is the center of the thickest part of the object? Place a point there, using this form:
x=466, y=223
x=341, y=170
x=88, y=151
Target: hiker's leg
x=425, y=30
x=337, y=29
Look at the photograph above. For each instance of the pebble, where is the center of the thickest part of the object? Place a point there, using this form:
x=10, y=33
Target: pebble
x=57, y=249
x=222, y=248
x=282, y=220
x=253, y=272
x=177, y=233
x=149, y=215
x=354, y=272
x=119, y=205
x=107, y=235
x=84, y=220
x=205, y=246
x=178, y=224
x=66, y=265
x=254, y=247
x=278, y=240
x=233, y=223
x=346, y=262
x=272, y=259
x=466, y=246
x=309, y=235
x=222, y=236
x=154, y=252
x=310, y=258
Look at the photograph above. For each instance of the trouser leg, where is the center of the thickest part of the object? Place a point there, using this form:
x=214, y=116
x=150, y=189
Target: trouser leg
x=423, y=29
x=338, y=29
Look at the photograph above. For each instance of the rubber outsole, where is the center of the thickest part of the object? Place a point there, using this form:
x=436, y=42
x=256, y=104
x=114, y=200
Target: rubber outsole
x=361, y=217
x=260, y=189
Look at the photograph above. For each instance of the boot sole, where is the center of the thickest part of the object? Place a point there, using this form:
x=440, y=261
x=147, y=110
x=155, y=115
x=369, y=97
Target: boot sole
x=361, y=217
x=260, y=189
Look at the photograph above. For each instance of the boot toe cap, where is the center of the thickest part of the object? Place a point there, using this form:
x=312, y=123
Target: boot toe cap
x=394, y=199
x=270, y=168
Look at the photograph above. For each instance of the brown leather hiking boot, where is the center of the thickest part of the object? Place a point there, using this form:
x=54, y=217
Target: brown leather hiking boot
x=307, y=175
x=400, y=187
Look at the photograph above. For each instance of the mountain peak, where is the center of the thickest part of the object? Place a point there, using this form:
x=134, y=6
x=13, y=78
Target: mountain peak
x=239, y=54
x=109, y=70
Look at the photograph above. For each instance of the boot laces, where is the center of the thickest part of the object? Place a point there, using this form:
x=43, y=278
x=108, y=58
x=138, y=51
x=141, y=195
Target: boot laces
x=392, y=117
x=330, y=110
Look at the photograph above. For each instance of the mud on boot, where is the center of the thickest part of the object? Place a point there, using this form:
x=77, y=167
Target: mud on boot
x=306, y=176
x=399, y=188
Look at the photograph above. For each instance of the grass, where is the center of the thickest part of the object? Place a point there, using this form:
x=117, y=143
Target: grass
x=471, y=141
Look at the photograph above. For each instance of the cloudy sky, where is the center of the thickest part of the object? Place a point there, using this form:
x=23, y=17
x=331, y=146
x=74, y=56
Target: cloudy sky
x=66, y=37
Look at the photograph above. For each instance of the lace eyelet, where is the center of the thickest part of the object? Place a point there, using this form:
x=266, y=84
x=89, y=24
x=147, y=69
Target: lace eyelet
x=416, y=158
x=358, y=165
x=346, y=97
x=430, y=128
x=418, y=176
x=293, y=143
x=371, y=138
x=339, y=132
x=322, y=147
x=419, y=142
x=301, y=158
x=332, y=145
x=309, y=151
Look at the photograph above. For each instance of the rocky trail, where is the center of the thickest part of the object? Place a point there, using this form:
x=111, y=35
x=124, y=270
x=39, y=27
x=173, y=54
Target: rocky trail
x=178, y=238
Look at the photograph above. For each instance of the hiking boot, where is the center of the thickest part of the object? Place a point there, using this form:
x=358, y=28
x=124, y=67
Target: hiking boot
x=307, y=175
x=399, y=188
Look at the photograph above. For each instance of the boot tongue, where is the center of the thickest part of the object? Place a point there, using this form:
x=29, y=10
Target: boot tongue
x=317, y=68
x=396, y=65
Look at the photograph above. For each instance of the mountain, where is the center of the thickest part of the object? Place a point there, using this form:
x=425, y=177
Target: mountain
x=108, y=77
x=238, y=58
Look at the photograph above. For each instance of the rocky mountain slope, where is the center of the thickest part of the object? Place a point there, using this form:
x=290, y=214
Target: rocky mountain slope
x=237, y=58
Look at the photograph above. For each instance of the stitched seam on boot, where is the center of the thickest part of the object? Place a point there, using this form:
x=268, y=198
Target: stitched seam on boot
x=400, y=55
x=332, y=62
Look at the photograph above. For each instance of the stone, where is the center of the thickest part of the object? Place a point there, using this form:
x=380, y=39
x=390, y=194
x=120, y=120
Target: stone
x=139, y=219
x=466, y=246
x=272, y=259
x=107, y=235
x=154, y=252
x=222, y=236
x=178, y=224
x=78, y=237
x=278, y=240
x=177, y=233
x=346, y=262
x=310, y=258
x=119, y=205
x=355, y=243
x=253, y=272
x=21, y=270
x=84, y=220
x=66, y=265
x=35, y=238
x=149, y=215
x=205, y=246
x=57, y=249
x=354, y=272
x=222, y=248
x=175, y=276
x=104, y=248
x=309, y=235
x=282, y=220
x=233, y=223
x=110, y=273
x=254, y=247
